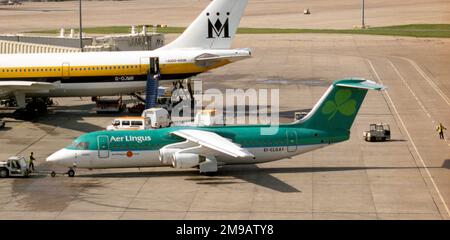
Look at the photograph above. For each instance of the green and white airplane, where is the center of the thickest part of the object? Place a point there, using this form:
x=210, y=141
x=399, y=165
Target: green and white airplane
x=207, y=147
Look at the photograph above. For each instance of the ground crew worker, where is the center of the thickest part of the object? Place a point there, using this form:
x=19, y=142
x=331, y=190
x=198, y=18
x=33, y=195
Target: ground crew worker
x=440, y=129
x=31, y=164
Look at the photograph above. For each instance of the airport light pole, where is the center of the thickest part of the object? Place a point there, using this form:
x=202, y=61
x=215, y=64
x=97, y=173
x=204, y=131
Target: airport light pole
x=362, y=15
x=81, y=29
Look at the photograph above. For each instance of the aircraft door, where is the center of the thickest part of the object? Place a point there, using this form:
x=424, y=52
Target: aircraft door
x=65, y=70
x=149, y=64
x=154, y=65
x=291, y=135
x=103, y=146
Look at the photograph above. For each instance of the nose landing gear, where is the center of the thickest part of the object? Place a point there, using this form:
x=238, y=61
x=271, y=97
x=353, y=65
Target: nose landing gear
x=71, y=172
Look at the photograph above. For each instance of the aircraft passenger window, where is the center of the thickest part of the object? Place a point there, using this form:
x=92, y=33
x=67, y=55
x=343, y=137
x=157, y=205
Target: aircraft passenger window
x=125, y=123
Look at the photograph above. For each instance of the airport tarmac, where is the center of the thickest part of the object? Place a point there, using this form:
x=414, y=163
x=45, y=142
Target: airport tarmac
x=343, y=14
x=405, y=178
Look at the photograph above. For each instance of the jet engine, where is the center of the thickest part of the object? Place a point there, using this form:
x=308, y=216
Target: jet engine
x=166, y=155
x=185, y=160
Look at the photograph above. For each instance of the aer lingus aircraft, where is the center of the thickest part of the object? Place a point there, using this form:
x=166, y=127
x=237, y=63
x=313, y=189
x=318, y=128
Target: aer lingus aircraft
x=208, y=147
x=204, y=45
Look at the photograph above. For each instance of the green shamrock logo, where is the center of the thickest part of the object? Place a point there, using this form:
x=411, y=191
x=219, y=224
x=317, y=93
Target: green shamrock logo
x=342, y=103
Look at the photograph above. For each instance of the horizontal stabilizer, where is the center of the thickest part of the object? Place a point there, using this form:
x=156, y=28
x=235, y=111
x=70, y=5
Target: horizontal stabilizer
x=206, y=60
x=360, y=83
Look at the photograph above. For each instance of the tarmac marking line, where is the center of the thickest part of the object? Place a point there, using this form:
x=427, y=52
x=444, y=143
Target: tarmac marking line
x=427, y=78
x=410, y=138
x=410, y=90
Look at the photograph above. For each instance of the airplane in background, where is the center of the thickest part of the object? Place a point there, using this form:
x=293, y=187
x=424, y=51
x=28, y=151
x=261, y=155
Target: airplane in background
x=208, y=147
x=203, y=46
x=10, y=2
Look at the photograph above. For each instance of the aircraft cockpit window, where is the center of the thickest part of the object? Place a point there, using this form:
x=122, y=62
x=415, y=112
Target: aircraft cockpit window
x=116, y=123
x=82, y=146
x=79, y=145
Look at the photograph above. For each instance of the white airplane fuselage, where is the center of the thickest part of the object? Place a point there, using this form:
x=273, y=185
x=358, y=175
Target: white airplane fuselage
x=92, y=159
x=105, y=73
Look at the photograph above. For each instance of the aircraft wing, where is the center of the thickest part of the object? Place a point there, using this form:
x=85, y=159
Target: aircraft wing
x=214, y=142
x=26, y=86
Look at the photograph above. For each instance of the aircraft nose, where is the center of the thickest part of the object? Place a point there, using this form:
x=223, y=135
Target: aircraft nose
x=59, y=156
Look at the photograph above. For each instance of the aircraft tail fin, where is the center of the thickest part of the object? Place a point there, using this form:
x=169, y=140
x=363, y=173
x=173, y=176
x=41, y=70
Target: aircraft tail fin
x=214, y=28
x=337, y=108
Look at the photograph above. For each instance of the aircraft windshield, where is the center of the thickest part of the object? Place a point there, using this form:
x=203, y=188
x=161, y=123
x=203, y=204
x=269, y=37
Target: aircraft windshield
x=79, y=145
